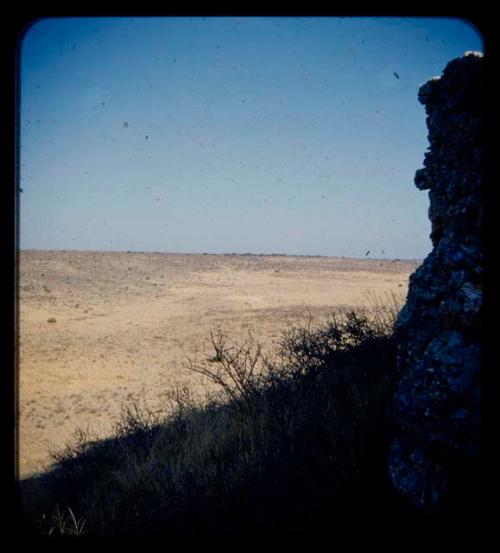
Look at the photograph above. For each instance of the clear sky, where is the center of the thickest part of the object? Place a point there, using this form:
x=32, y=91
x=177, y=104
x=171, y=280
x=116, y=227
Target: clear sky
x=220, y=135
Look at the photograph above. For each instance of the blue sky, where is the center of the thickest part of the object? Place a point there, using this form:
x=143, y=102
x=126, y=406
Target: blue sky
x=291, y=135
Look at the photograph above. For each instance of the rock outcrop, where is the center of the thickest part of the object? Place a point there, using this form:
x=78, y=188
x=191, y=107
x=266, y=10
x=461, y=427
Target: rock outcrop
x=434, y=457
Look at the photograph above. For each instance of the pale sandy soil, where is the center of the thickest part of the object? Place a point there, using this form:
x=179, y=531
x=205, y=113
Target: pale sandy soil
x=125, y=323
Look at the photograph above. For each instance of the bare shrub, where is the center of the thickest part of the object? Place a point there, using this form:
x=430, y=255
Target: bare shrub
x=290, y=441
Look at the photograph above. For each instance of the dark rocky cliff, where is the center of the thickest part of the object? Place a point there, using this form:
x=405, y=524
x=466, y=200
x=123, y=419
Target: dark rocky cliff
x=434, y=457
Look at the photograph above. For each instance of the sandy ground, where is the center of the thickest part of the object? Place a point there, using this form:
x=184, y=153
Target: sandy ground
x=125, y=322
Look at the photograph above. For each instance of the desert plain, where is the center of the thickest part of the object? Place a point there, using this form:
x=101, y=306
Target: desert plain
x=101, y=330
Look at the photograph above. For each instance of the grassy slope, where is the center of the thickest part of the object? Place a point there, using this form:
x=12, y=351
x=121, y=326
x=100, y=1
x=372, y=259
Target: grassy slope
x=292, y=445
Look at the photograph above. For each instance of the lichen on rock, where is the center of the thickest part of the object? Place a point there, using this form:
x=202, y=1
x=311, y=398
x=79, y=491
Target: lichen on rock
x=437, y=404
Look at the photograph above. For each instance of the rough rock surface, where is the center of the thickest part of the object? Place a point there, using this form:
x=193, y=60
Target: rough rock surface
x=434, y=457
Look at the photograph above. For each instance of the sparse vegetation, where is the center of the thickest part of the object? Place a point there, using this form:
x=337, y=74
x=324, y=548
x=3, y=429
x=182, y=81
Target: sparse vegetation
x=294, y=442
x=62, y=523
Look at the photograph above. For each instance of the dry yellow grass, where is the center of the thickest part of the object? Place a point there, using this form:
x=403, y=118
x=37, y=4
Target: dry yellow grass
x=125, y=322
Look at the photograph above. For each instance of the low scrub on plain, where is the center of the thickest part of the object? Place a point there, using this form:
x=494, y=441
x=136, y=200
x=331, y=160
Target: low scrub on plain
x=290, y=442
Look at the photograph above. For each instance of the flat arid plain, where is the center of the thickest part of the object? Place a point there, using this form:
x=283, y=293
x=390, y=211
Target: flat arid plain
x=101, y=330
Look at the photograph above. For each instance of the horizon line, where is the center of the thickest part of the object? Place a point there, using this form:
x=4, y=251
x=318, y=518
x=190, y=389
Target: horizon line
x=243, y=254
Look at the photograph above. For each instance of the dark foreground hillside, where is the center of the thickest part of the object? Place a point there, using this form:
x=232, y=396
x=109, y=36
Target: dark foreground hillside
x=296, y=444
